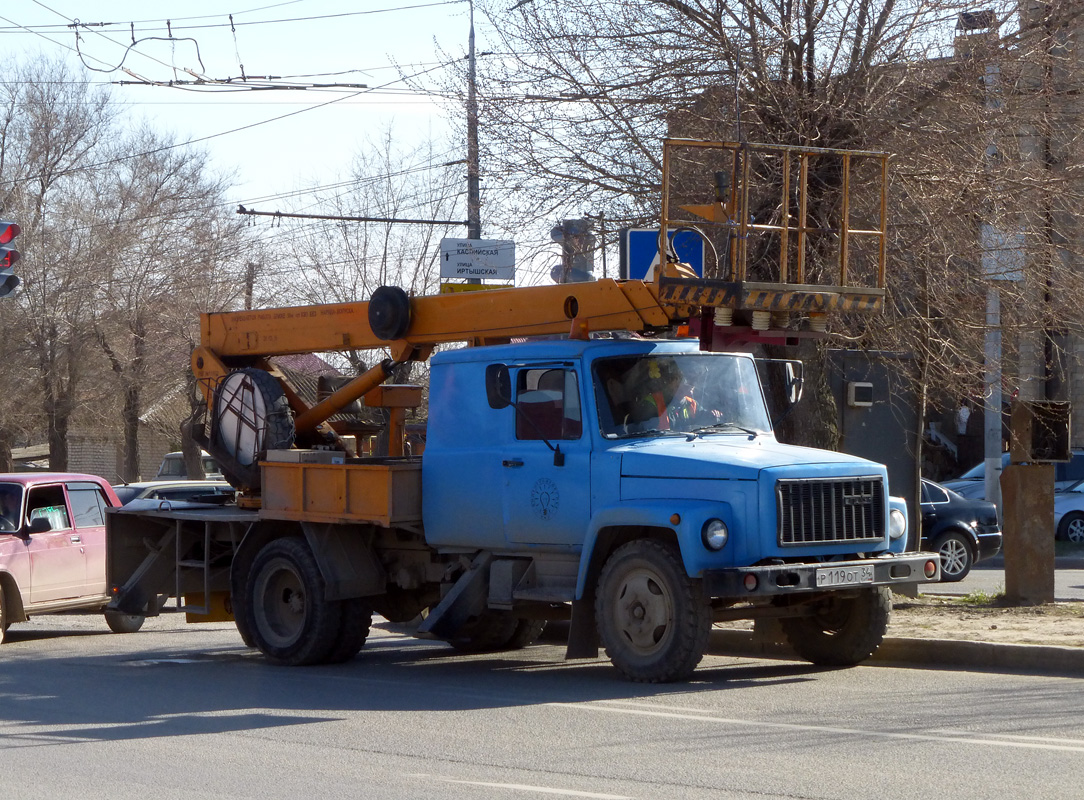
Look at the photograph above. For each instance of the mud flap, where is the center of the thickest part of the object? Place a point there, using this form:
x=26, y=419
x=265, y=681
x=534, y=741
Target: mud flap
x=583, y=633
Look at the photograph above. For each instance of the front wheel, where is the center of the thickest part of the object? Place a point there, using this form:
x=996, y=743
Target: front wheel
x=956, y=557
x=1071, y=527
x=287, y=616
x=119, y=622
x=841, y=631
x=653, y=619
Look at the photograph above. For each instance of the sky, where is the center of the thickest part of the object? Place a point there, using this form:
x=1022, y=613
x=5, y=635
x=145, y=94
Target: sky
x=318, y=41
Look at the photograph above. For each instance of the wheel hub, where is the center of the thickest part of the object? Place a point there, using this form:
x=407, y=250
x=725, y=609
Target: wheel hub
x=645, y=611
x=953, y=557
x=281, y=610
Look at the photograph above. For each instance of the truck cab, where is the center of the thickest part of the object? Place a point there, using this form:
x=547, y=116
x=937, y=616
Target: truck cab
x=641, y=481
x=650, y=434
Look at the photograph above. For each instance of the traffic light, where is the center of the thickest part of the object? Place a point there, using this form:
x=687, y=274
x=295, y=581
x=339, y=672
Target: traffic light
x=577, y=251
x=9, y=281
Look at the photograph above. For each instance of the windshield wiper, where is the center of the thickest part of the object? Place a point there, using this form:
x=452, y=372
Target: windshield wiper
x=710, y=428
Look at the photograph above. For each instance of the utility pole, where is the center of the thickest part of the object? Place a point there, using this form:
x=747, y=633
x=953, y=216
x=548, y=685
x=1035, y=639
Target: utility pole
x=250, y=283
x=474, y=201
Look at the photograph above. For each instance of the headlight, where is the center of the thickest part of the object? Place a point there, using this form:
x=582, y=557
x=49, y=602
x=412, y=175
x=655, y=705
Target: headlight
x=714, y=534
x=897, y=524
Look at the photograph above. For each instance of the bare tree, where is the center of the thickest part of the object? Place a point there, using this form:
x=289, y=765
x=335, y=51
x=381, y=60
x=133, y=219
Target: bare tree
x=344, y=261
x=164, y=239
x=125, y=239
x=576, y=98
x=54, y=125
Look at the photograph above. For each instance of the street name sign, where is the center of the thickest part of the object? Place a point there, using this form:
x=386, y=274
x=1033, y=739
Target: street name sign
x=478, y=258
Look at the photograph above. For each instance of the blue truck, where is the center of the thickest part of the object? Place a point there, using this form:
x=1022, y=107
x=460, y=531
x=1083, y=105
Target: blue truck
x=633, y=485
x=601, y=453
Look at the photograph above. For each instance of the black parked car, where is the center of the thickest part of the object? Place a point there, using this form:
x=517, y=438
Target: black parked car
x=962, y=530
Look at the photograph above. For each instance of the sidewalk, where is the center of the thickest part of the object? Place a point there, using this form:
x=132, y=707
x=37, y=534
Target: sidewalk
x=918, y=636
x=927, y=653
x=1060, y=562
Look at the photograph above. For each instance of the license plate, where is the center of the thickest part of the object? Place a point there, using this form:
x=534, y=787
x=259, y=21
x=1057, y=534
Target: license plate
x=844, y=576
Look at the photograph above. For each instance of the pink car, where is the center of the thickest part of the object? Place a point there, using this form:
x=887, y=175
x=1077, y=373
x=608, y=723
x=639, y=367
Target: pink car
x=52, y=547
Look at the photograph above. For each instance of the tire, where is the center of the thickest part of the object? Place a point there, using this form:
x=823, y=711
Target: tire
x=241, y=616
x=289, y=620
x=1071, y=527
x=956, y=554
x=357, y=619
x=489, y=632
x=842, y=631
x=119, y=622
x=526, y=634
x=4, y=623
x=652, y=618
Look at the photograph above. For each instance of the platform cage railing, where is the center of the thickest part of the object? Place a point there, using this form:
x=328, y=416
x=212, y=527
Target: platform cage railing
x=809, y=218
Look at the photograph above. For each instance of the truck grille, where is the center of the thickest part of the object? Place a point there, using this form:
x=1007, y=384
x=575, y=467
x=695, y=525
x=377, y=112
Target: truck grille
x=834, y=510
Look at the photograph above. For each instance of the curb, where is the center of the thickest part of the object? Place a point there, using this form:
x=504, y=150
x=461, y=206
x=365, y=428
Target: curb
x=1060, y=562
x=931, y=653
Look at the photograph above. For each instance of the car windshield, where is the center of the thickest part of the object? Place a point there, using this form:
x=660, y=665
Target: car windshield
x=979, y=470
x=126, y=493
x=700, y=393
x=11, y=501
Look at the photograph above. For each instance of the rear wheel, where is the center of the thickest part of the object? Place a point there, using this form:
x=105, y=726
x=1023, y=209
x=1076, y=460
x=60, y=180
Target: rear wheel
x=841, y=631
x=526, y=634
x=1071, y=527
x=489, y=632
x=119, y=622
x=357, y=618
x=653, y=619
x=956, y=556
x=288, y=618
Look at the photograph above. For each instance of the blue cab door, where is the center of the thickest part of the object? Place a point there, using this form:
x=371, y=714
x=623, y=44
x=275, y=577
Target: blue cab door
x=544, y=503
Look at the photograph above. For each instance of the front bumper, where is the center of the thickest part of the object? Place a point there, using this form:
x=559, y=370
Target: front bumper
x=783, y=579
x=989, y=544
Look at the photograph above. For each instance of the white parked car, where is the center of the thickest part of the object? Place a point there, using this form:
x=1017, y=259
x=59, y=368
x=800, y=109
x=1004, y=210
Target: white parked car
x=173, y=468
x=972, y=484
x=189, y=491
x=1069, y=512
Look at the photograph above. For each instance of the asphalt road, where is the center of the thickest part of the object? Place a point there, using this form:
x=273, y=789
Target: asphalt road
x=1068, y=583
x=186, y=712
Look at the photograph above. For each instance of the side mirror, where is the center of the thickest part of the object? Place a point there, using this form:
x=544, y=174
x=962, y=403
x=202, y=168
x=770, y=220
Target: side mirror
x=498, y=386
x=795, y=371
x=38, y=525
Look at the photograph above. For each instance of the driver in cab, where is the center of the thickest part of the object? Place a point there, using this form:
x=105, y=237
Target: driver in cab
x=663, y=400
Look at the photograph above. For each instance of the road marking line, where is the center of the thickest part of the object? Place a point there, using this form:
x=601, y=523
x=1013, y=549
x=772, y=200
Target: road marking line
x=669, y=712
x=1051, y=739
x=524, y=787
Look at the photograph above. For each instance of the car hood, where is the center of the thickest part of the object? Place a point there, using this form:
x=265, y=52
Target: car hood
x=725, y=457
x=1066, y=501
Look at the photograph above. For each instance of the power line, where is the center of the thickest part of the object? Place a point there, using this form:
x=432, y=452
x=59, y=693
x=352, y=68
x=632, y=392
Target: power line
x=331, y=218
x=214, y=135
x=170, y=21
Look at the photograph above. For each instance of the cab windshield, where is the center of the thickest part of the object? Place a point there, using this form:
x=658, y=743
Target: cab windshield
x=690, y=393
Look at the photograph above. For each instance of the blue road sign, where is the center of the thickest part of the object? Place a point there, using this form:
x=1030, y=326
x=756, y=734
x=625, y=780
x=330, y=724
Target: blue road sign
x=640, y=251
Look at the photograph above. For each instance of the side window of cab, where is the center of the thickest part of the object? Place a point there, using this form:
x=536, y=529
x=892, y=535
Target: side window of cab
x=88, y=504
x=48, y=503
x=548, y=404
